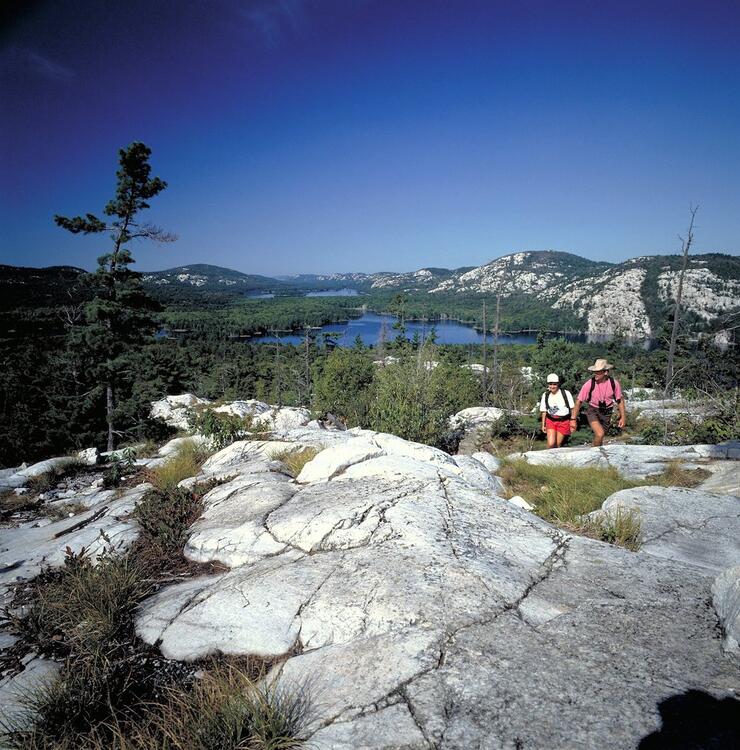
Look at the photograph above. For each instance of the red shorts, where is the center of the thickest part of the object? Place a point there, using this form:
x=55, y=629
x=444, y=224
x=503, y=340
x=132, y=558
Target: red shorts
x=563, y=427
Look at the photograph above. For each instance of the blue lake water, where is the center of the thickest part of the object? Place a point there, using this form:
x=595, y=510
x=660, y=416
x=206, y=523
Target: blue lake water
x=334, y=293
x=370, y=326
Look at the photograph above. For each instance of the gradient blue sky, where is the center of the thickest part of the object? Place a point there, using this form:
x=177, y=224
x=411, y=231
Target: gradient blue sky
x=304, y=136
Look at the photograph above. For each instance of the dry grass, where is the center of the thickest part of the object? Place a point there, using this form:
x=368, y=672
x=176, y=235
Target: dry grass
x=619, y=526
x=294, y=461
x=675, y=475
x=184, y=464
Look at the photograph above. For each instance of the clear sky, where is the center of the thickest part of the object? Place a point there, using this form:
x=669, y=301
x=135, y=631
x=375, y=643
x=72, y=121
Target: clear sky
x=303, y=136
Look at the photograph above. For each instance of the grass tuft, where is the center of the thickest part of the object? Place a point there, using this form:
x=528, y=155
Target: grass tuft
x=226, y=709
x=184, y=464
x=82, y=605
x=675, y=475
x=294, y=461
x=619, y=526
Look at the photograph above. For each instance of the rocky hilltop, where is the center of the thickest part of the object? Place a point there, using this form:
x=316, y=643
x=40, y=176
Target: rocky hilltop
x=633, y=298
x=418, y=607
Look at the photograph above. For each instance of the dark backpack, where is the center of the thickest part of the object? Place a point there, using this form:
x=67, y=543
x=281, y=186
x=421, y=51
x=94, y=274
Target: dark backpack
x=547, y=406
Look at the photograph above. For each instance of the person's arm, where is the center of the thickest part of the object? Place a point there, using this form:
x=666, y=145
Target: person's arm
x=622, y=415
x=575, y=412
x=543, y=413
x=622, y=411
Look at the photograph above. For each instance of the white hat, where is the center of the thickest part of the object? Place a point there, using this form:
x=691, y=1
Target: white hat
x=553, y=378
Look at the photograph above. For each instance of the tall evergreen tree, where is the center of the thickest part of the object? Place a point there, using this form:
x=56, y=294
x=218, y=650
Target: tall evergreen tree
x=118, y=319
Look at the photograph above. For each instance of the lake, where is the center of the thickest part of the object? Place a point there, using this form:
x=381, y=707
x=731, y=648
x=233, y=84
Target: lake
x=370, y=325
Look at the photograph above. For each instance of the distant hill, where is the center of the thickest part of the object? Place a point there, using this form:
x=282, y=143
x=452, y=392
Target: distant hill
x=36, y=287
x=210, y=278
x=633, y=298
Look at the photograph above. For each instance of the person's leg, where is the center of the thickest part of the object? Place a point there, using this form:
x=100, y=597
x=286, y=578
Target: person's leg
x=560, y=436
x=552, y=438
x=597, y=430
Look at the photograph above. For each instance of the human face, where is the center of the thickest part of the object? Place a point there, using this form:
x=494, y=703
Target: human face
x=552, y=387
x=600, y=375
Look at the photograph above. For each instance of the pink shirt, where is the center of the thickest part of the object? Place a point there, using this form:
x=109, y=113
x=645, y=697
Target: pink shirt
x=602, y=392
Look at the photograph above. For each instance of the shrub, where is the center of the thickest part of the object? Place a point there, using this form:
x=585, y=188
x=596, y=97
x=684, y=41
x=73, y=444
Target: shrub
x=222, y=429
x=185, y=463
x=120, y=468
x=344, y=387
x=414, y=401
x=165, y=517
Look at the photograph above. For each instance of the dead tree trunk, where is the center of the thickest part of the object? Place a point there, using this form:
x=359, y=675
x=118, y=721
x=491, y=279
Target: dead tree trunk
x=485, y=359
x=494, y=378
x=109, y=406
x=685, y=246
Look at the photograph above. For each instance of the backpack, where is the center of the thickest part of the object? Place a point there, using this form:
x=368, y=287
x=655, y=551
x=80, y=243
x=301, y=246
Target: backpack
x=569, y=406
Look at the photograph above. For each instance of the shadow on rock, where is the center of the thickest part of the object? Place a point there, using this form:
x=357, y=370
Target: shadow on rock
x=696, y=721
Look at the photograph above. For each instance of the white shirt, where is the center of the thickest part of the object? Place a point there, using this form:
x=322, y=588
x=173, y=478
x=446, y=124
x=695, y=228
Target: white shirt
x=557, y=403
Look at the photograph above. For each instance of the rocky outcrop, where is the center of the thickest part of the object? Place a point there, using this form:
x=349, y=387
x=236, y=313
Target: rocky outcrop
x=689, y=525
x=419, y=609
x=726, y=600
x=173, y=410
x=422, y=610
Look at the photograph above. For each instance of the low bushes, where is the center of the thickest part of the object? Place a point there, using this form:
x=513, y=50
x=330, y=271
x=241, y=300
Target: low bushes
x=221, y=429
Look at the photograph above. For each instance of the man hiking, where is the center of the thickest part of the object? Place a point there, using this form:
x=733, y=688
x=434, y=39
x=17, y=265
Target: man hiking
x=556, y=407
x=599, y=394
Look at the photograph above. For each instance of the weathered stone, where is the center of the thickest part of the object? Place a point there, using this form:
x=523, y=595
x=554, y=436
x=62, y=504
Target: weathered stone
x=488, y=460
x=632, y=461
x=173, y=410
x=476, y=416
x=15, y=691
x=89, y=456
x=726, y=600
x=520, y=502
x=24, y=551
x=693, y=526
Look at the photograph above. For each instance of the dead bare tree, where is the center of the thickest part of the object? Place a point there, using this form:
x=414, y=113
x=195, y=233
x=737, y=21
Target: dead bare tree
x=686, y=243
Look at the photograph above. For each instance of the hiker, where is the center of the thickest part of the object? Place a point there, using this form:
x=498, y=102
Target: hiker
x=599, y=394
x=556, y=407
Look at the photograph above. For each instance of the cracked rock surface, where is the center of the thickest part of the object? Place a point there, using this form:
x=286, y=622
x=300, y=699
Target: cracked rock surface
x=421, y=610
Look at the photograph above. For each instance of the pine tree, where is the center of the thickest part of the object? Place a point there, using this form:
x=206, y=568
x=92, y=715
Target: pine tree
x=118, y=319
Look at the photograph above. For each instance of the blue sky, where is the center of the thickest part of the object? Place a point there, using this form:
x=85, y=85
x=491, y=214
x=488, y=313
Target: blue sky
x=304, y=136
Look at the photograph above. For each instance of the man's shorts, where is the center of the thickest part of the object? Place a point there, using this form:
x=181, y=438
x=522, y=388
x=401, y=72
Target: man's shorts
x=561, y=426
x=604, y=418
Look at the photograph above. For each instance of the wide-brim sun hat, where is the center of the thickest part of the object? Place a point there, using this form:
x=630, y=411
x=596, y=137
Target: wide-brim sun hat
x=600, y=364
x=553, y=378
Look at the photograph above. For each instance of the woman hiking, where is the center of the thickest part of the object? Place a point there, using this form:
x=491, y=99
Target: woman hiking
x=556, y=407
x=599, y=394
